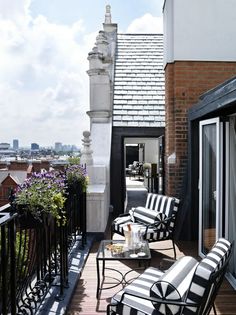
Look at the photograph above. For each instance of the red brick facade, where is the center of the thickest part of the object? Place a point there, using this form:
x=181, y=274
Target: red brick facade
x=185, y=81
x=5, y=189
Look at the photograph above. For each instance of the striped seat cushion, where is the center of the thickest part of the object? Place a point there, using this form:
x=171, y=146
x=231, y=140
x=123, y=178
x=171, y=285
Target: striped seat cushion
x=119, y=223
x=142, y=285
x=199, y=289
x=152, y=233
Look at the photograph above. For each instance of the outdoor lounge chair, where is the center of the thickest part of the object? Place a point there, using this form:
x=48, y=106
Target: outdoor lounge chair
x=156, y=219
x=188, y=287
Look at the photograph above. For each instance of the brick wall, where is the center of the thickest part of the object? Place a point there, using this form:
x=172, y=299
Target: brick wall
x=5, y=188
x=185, y=81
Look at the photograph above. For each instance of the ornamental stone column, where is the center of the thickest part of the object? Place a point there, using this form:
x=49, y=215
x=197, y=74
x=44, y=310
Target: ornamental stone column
x=86, y=153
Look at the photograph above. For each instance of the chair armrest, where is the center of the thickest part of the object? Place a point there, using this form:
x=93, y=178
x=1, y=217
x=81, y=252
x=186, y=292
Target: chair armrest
x=158, y=300
x=123, y=215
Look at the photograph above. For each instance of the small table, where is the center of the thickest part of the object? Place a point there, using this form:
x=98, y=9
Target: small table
x=105, y=253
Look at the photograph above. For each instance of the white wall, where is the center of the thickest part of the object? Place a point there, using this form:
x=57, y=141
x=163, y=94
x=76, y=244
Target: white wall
x=202, y=30
x=151, y=148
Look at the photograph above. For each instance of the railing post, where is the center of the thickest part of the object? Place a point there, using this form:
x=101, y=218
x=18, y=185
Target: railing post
x=12, y=238
x=7, y=262
x=83, y=218
x=3, y=269
x=63, y=239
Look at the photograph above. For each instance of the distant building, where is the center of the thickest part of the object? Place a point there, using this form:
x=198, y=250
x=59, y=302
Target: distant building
x=34, y=146
x=58, y=146
x=66, y=148
x=11, y=175
x=4, y=146
x=15, y=144
x=5, y=150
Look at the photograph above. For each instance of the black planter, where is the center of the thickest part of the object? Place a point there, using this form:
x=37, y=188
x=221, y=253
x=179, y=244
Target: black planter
x=26, y=220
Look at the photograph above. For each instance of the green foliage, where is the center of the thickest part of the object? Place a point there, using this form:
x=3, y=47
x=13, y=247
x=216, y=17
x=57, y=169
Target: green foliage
x=43, y=193
x=74, y=160
x=76, y=175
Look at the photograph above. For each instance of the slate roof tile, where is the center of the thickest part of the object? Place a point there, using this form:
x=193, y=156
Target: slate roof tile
x=139, y=81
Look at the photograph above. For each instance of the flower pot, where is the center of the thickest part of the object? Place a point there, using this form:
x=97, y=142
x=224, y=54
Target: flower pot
x=26, y=220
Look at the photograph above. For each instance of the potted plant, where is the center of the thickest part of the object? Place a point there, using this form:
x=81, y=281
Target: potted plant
x=42, y=194
x=77, y=178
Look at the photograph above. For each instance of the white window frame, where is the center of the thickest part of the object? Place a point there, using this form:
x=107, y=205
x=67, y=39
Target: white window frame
x=219, y=139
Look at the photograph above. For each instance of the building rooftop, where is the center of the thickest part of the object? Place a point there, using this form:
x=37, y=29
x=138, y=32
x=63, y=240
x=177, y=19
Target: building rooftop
x=139, y=89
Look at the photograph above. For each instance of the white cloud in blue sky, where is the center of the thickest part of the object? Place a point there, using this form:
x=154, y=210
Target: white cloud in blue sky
x=44, y=93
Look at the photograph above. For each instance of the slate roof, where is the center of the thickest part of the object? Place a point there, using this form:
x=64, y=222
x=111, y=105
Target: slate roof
x=139, y=89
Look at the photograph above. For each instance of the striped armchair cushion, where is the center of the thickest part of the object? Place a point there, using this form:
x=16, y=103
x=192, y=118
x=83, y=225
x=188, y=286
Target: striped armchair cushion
x=163, y=204
x=174, y=284
x=205, y=269
x=147, y=216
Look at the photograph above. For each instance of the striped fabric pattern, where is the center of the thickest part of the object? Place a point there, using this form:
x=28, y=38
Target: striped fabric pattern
x=135, y=305
x=163, y=204
x=213, y=261
x=119, y=223
x=174, y=284
x=147, y=216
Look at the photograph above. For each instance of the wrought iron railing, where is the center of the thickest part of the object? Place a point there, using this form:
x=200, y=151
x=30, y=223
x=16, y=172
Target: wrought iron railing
x=34, y=254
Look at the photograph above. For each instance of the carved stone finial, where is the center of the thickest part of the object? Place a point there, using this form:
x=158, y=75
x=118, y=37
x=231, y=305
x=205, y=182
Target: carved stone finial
x=108, y=14
x=86, y=153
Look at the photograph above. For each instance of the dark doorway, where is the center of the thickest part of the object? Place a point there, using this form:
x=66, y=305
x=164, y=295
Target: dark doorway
x=118, y=165
x=132, y=154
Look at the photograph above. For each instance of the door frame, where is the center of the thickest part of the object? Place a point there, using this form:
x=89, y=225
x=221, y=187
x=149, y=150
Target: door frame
x=219, y=139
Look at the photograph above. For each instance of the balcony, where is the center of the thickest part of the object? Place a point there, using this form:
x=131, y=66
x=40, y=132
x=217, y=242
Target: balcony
x=43, y=278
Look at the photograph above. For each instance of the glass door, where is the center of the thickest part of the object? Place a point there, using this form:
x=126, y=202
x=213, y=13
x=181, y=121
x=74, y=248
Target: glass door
x=209, y=184
x=231, y=195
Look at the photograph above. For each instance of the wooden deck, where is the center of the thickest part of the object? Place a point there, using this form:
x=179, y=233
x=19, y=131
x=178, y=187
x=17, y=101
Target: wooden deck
x=84, y=300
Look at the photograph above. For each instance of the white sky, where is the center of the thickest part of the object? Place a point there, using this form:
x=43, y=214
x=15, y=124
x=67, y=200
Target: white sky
x=44, y=92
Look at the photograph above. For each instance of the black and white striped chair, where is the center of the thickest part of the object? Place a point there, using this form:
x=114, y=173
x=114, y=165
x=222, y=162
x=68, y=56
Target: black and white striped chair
x=156, y=219
x=188, y=287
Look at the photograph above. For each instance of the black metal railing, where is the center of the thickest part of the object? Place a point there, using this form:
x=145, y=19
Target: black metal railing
x=34, y=254
x=7, y=262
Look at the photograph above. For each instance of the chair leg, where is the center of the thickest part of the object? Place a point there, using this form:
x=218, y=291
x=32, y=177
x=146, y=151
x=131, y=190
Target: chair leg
x=173, y=243
x=109, y=310
x=214, y=309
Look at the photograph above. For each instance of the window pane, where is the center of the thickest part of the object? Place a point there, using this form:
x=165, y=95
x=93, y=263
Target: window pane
x=208, y=187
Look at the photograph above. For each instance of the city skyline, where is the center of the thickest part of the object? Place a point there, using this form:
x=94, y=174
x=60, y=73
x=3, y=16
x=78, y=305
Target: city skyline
x=44, y=47
x=12, y=143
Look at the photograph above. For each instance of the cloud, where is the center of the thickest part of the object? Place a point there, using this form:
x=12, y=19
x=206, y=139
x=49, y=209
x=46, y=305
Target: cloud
x=14, y=9
x=43, y=81
x=146, y=24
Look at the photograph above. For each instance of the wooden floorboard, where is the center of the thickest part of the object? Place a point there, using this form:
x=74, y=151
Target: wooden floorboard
x=84, y=300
